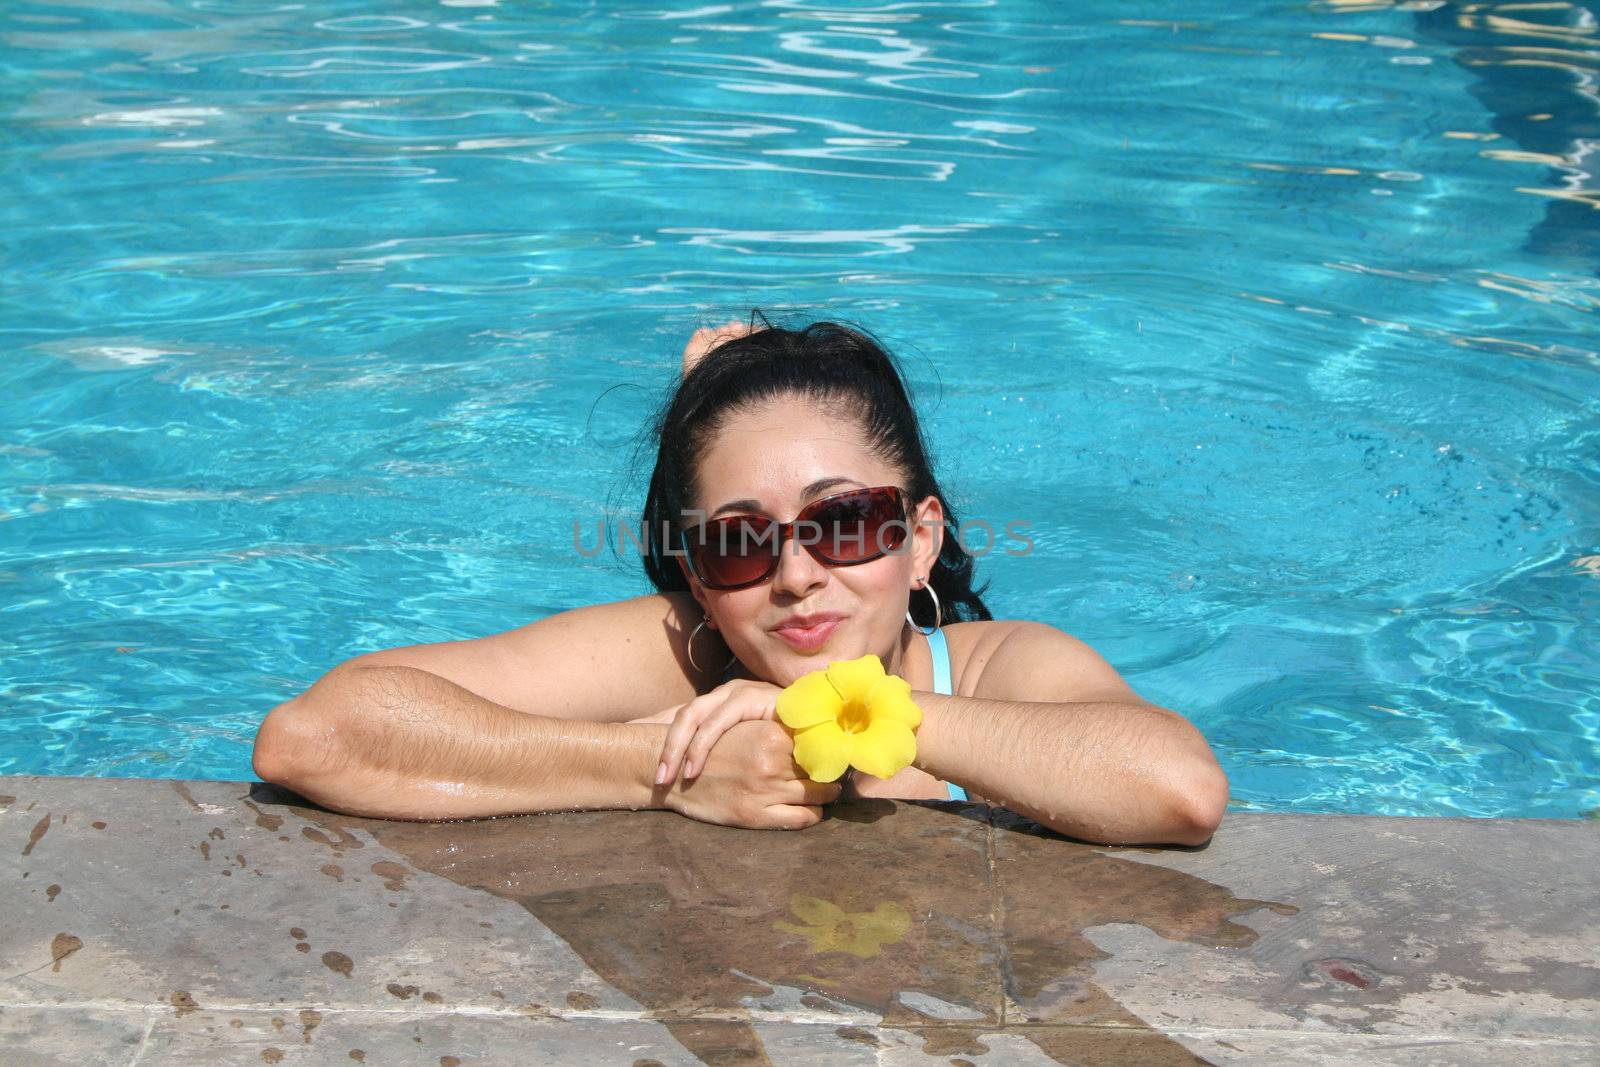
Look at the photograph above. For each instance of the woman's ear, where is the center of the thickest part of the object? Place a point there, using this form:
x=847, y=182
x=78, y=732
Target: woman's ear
x=927, y=536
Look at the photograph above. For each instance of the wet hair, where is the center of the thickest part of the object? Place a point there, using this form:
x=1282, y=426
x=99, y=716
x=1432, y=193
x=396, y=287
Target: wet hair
x=841, y=367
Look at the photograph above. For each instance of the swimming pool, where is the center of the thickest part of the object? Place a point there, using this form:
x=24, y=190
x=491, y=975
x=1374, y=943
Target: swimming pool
x=325, y=324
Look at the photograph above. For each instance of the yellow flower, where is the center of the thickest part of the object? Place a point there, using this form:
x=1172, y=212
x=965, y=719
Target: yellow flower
x=851, y=714
x=830, y=928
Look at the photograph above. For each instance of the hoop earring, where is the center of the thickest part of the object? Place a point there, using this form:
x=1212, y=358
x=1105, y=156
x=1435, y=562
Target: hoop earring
x=938, y=614
x=689, y=648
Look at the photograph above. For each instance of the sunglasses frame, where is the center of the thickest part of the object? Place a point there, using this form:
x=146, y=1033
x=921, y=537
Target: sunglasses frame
x=785, y=530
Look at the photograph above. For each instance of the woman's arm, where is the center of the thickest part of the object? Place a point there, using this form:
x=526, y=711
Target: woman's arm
x=409, y=732
x=396, y=742
x=532, y=719
x=1053, y=733
x=1118, y=773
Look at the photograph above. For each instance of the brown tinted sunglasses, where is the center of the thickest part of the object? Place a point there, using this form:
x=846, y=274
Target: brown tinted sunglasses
x=842, y=530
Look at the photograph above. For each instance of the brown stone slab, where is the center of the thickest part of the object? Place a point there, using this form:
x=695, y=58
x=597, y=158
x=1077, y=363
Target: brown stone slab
x=881, y=910
x=1025, y=1046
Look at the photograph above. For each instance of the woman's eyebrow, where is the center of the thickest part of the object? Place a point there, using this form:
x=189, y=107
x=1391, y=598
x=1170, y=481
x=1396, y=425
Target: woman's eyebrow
x=807, y=493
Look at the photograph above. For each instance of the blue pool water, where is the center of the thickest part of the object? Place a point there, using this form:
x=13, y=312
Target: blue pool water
x=322, y=324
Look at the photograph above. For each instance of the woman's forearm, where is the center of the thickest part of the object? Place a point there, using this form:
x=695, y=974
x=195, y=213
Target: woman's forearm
x=1118, y=773
x=401, y=743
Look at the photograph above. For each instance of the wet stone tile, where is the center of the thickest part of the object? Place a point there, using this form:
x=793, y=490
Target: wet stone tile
x=1441, y=927
x=1034, y=1046
x=163, y=890
x=880, y=912
x=1052, y=890
x=1046, y=1046
x=236, y=923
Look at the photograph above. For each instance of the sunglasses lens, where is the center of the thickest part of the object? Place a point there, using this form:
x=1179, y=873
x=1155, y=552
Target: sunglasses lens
x=734, y=551
x=860, y=526
x=853, y=527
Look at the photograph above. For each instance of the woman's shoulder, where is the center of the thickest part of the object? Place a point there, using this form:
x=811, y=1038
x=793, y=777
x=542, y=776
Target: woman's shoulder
x=604, y=662
x=1020, y=659
x=971, y=646
x=653, y=632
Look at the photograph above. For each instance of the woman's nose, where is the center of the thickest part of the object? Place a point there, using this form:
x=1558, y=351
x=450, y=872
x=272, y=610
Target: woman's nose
x=799, y=572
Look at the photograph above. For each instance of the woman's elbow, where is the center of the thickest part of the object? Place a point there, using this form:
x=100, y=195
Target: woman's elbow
x=1201, y=806
x=270, y=758
x=286, y=748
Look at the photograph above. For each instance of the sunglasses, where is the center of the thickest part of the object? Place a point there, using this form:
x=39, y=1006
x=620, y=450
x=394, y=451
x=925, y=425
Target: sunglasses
x=841, y=530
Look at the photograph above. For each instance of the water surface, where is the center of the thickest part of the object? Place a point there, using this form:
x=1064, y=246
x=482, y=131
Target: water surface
x=322, y=324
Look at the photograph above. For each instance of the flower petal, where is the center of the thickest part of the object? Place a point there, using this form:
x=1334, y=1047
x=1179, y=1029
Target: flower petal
x=890, y=698
x=884, y=749
x=809, y=700
x=853, y=678
x=822, y=752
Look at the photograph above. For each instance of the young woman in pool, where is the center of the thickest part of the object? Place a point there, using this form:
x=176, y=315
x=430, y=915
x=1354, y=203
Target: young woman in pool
x=786, y=460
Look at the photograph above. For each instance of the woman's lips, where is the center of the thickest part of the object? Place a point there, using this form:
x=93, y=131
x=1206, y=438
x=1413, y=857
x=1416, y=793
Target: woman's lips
x=808, y=638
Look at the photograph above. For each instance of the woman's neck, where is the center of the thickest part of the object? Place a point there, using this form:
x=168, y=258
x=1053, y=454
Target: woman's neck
x=898, y=654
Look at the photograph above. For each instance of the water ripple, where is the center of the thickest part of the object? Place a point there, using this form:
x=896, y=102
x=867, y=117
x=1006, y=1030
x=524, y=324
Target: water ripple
x=1275, y=325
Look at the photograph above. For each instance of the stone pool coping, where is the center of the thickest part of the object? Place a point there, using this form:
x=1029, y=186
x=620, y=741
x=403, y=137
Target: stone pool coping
x=166, y=922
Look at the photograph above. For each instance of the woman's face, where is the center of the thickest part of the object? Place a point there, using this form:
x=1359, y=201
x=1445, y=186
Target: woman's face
x=783, y=454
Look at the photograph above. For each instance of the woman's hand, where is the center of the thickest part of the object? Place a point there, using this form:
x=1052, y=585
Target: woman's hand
x=697, y=724
x=752, y=780
x=706, y=338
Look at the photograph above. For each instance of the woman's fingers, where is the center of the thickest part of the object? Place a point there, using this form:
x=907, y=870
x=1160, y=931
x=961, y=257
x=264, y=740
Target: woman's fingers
x=696, y=730
x=819, y=792
x=714, y=726
x=807, y=811
x=684, y=725
x=699, y=723
x=692, y=734
x=792, y=816
x=705, y=339
x=738, y=709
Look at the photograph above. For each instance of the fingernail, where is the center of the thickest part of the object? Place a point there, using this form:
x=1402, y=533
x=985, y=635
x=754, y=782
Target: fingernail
x=688, y=769
x=661, y=774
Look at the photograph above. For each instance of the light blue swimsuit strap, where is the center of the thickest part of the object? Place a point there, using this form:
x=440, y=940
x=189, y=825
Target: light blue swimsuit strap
x=941, y=685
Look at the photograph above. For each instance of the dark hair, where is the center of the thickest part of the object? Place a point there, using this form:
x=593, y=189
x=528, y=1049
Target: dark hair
x=838, y=365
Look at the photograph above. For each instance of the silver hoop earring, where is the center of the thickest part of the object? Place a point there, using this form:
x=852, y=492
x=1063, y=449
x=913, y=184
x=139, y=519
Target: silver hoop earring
x=689, y=648
x=938, y=614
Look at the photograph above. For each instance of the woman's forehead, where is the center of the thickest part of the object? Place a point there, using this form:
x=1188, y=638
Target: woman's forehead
x=773, y=455
x=779, y=477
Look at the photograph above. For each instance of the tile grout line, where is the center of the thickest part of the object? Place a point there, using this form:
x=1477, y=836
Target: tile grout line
x=158, y=1012
x=1199, y=1031
x=149, y=1028
x=997, y=920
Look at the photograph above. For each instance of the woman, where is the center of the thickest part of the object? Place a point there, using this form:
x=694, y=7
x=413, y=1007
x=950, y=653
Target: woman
x=777, y=451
